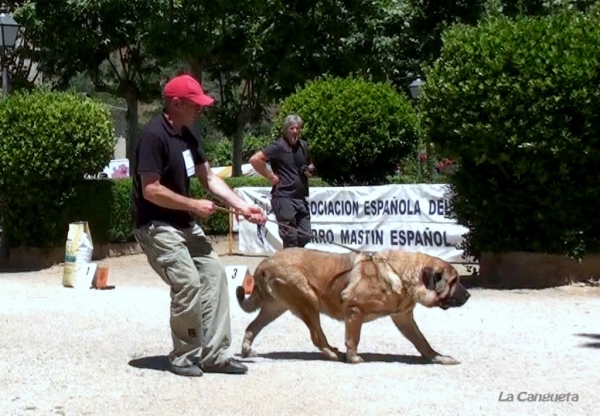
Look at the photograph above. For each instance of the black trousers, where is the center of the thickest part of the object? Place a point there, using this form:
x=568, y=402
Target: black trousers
x=296, y=214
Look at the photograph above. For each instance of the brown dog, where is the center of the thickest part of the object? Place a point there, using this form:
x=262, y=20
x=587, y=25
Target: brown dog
x=354, y=288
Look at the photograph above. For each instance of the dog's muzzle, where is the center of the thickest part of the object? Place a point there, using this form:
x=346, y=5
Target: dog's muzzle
x=460, y=296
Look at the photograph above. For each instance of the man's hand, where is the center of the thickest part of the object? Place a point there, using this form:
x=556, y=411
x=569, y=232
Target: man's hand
x=254, y=214
x=310, y=170
x=203, y=208
x=274, y=179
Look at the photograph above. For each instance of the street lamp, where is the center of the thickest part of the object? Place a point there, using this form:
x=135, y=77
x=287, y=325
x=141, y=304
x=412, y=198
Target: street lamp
x=415, y=88
x=415, y=91
x=8, y=31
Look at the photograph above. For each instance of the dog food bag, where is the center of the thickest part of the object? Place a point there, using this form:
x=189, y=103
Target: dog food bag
x=79, y=270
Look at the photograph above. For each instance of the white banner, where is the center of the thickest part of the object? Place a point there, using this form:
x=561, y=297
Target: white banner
x=411, y=217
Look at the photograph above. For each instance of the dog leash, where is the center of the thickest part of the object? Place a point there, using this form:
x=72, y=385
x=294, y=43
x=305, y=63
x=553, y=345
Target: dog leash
x=230, y=211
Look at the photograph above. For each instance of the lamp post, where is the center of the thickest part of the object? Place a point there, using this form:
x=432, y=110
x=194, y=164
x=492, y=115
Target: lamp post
x=415, y=91
x=415, y=88
x=8, y=32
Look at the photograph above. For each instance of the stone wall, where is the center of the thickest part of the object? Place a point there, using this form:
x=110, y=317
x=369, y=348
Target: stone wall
x=534, y=271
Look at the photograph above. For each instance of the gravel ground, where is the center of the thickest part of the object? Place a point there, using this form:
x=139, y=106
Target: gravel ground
x=90, y=352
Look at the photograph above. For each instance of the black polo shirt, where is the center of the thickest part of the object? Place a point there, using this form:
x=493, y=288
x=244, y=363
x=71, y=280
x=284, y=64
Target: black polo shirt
x=288, y=163
x=173, y=156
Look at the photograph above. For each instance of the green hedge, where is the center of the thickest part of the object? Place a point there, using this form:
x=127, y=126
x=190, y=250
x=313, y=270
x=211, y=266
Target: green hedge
x=48, y=141
x=220, y=152
x=106, y=205
x=517, y=104
x=358, y=130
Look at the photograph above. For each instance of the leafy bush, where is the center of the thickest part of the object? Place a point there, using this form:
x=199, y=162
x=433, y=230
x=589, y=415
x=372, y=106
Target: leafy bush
x=357, y=130
x=220, y=152
x=515, y=103
x=416, y=169
x=48, y=141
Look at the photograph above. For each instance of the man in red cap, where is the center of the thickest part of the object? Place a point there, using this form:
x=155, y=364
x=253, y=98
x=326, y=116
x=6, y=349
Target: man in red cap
x=166, y=156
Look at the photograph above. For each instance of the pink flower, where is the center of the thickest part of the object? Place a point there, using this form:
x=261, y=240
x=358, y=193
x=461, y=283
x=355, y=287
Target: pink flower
x=120, y=172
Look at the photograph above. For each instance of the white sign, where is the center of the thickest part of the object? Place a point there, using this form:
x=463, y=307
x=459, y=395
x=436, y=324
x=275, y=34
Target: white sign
x=411, y=217
x=117, y=168
x=235, y=278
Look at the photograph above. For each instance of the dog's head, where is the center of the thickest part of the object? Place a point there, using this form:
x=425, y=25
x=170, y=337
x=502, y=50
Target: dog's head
x=431, y=281
x=442, y=283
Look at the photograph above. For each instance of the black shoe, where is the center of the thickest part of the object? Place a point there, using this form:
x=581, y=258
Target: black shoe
x=189, y=371
x=231, y=366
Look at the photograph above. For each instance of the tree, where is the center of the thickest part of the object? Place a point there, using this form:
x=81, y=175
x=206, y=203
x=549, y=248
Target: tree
x=21, y=61
x=358, y=130
x=214, y=40
x=515, y=103
x=105, y=39
x=259, y=51
x=535, y=7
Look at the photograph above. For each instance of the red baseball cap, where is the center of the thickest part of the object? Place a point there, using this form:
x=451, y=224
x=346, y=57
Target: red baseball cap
x=186, y=86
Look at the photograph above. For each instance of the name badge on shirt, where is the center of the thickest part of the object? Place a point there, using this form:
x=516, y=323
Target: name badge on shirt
x=189, y=162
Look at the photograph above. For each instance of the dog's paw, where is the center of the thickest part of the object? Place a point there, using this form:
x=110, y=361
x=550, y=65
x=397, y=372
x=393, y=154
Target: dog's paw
x=445, y=360
x=340, y=355
x=354, y=359
x=247, y=351
x=332, y=354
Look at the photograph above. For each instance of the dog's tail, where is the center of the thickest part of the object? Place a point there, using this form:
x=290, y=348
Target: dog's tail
x=254, y=301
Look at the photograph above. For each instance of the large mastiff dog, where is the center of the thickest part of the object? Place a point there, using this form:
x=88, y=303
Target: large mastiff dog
x=354, y=288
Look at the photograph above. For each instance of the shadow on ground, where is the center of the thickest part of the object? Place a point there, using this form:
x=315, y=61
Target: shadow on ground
x=592, y=344
x=154, y=362
x=161, y=362
x=367, y=357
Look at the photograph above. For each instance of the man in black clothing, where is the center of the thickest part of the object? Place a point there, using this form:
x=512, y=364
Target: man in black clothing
x=291, y=167
x=166, y=156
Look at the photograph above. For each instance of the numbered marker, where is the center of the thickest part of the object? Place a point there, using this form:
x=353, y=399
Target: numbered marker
x=236, y=274
x=239, y=276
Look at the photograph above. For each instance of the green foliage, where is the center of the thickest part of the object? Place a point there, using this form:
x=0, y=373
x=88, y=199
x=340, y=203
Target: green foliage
x=513, y=8
x=427, y=21
x=220, y=152
x=414, y=169
x=249, y=53
x=103, y=39
x=48, y=142
x=106, y=40
x=516, y=104
x=105, y=205
x=357, y=130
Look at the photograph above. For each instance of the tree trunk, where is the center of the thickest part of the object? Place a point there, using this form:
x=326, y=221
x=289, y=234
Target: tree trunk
x=132, y=127
x=238, y=144
x=196, y=69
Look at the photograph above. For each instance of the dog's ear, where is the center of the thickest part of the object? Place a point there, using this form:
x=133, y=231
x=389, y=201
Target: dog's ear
x=432, y=278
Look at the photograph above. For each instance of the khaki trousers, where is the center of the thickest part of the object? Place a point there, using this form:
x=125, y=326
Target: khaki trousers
x=200, y=320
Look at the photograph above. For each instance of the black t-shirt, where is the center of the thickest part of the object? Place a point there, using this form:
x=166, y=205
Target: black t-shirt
x=288, y=163
x=173, y=156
